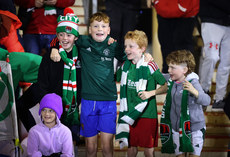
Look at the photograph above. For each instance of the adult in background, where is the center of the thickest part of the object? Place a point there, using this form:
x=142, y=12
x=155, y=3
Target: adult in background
x=175, y=25
x=42, y=22
x=9, y=24
x=123, y=15
x=215, y=31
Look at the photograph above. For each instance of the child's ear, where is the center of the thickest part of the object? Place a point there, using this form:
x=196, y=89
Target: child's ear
x=185, y=70
x=75, y=38
x=109, y=30
x=143, y=49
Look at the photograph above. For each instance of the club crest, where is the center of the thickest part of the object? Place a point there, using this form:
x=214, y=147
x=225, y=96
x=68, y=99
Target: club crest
x=68, y=29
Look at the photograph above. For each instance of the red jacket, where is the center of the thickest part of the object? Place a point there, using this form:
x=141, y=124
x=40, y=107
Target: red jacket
x=41, y=24
x=9, y=26
x=177, y=8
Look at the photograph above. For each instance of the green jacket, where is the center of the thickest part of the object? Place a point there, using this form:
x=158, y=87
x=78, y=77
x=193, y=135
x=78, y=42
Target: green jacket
x=24, y=66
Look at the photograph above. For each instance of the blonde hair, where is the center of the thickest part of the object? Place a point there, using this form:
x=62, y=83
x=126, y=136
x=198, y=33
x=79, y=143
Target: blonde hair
x=139, y=37
x=99, y=16
x=182, y=57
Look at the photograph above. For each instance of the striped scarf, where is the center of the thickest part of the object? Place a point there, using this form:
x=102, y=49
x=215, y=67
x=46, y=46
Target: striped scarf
x=128, y=116
x=50, y=10
x=166, y=128
x=69, y=94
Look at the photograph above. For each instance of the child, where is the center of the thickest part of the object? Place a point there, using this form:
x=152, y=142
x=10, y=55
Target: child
x=182, y=121
x=50, y=137
x=138, y=110
x=99, y=94
x=59, y=78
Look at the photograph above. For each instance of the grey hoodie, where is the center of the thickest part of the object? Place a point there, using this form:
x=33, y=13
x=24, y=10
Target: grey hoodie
x=195, y=104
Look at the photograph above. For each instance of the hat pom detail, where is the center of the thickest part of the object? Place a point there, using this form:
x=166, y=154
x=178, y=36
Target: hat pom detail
x=68, y=23
x=68, y=11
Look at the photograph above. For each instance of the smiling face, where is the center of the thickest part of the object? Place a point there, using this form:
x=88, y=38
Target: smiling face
x=48, y=117
x=177, y=72
x=99, y=30
x=133, y=51
x=66, y=40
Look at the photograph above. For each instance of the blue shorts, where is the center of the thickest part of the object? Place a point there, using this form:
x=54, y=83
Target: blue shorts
x=98, y=116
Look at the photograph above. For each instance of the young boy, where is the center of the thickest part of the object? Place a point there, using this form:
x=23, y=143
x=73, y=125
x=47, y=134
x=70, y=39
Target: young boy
x=182, y=121
x=50, y=137
x=99, y=94
x=138, y=110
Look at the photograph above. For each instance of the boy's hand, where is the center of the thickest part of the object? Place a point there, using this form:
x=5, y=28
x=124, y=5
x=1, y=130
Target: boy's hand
x=111, y=40
x=50, y=2
x=146, y=94
x=189, y=87
x=54, y=55
x=39, y=3
x=148, y=57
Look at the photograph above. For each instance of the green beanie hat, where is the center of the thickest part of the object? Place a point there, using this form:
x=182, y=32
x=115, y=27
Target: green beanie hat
x=68, y=23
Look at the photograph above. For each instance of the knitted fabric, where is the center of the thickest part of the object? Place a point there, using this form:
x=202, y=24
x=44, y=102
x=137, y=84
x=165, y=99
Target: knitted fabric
x=52, y=101
x=68, y=23
x=127, y=116
x=50, y=10
x=69, y=95
x=166, y=128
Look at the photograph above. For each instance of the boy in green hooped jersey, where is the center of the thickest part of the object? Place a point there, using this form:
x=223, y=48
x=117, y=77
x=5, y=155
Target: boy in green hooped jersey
x=99, y=94
x=137, y=124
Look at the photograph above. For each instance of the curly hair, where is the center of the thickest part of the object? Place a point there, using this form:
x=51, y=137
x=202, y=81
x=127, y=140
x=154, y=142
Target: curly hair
x=182, y=57
x=139, y=37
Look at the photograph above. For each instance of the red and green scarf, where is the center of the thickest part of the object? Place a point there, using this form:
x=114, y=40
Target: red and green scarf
x=166, y=128
x=69, y=95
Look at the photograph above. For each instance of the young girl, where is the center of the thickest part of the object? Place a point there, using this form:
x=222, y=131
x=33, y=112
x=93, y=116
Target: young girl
x=50, y=138
x=182, y=121
x=138, y=125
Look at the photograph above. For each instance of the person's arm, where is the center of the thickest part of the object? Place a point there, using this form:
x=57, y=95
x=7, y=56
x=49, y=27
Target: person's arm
x=159, y=78
x=147, y=94
x=64, y=3
x=67, y=146
x=189, y=87
x=33, y=145
x=202, y=97
x=44, y=73
x=50, y=2
x=149, y=3
x=118, y=74
x=120, y=53
x=54, y=55
x=148, y=57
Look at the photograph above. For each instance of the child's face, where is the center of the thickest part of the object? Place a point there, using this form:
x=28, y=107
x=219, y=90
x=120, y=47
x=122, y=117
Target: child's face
x=99, y=30
x=48, y=117
x=133, y=51
x=177, y=72
x=66, y=40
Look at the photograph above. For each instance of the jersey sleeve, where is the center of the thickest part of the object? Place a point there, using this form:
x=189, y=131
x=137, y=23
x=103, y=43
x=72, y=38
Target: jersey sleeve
x=155, y=73
x=119, y=53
